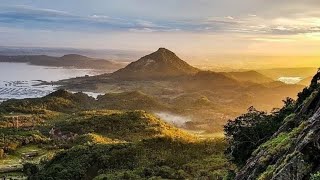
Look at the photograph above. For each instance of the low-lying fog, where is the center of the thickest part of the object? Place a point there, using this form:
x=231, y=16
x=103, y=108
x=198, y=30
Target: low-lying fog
x=174, y=119
x=290, y=80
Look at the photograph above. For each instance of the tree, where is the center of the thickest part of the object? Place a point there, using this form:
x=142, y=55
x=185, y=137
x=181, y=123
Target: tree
x=247, y=132
x=253, y=128
x=288, y=108
x=306, y=92
x=30, y=169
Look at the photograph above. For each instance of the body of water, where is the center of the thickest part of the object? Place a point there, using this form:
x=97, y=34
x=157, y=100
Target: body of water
x=290, y=80
x=20, y=80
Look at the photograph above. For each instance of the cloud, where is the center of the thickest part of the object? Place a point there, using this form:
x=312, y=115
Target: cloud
x=41, y=18
x=287, y=26
x=275, y=39
x=21, y=16
x=142, y=30
x=293, y=30
x=252, y=15
x=229, y=17
x=49, y=18
x=146, y=24
x=29, y=10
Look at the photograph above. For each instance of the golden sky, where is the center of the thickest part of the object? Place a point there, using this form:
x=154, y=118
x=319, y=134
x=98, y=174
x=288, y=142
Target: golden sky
x=201, y=28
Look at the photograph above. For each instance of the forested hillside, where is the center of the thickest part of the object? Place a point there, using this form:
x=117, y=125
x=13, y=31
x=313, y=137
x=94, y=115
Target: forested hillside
x=280, y=145
x=72, y=136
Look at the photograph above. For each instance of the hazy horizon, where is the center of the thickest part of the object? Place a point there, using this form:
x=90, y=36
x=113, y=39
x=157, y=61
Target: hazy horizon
x=213, y=61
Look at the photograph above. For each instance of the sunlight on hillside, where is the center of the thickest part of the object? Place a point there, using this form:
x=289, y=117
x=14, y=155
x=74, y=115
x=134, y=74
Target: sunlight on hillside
x=160, y=90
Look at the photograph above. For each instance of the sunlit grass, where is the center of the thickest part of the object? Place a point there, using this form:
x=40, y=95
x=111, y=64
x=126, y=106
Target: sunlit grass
x=204, y=135
x=17, y=158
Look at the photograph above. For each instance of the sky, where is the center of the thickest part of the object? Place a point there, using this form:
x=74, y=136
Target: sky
x=269, y=27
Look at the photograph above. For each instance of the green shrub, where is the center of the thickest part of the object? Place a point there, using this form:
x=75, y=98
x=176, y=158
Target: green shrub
x=30, y=169
x=315, y=176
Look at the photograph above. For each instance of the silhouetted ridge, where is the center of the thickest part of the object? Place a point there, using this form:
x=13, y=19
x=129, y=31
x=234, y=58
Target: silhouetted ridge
x=69, y=60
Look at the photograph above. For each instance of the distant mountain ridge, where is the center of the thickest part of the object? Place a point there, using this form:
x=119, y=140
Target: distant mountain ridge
x=161, y=64
x=114, y=54
x=276, y=73
x=305, y=81
x=69, y=60
x=249, y=76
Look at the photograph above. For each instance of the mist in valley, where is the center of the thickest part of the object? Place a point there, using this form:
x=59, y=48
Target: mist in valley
x=96, y=90
x=176, y=120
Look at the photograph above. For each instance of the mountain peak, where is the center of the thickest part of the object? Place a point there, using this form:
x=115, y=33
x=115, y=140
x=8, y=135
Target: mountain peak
x=163, y=50
x=163, y=53
x=159, y=64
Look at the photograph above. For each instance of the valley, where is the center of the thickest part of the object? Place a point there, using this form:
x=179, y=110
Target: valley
x=160, y=90
x=77, y=122
x=119, y=138
x=207, y=98
x=157, y=118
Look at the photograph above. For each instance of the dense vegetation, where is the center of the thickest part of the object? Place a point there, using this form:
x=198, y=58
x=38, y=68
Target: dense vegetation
x=279, y=145
x=161, y=157
x=64, y=101
x=73, y=137
x=248, y=131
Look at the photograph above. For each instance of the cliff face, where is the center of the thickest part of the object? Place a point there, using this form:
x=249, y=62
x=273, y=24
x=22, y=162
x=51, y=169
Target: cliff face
x=293, y=152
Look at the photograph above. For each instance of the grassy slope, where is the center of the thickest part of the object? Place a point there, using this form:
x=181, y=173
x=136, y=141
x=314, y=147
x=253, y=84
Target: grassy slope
x=109, y=143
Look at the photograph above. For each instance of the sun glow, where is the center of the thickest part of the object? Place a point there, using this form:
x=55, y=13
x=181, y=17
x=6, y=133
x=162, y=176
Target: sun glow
x=313, y=36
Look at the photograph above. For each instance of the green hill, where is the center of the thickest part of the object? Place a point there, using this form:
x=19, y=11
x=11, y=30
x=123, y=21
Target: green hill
x=126, y=126
x=61, y=101
x=64, y=101
x=134, y=100
x=66, y=137
x=157, y=158
x=132, y=145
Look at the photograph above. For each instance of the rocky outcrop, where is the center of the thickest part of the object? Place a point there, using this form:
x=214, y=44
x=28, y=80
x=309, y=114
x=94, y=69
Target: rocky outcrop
x=293, y=152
